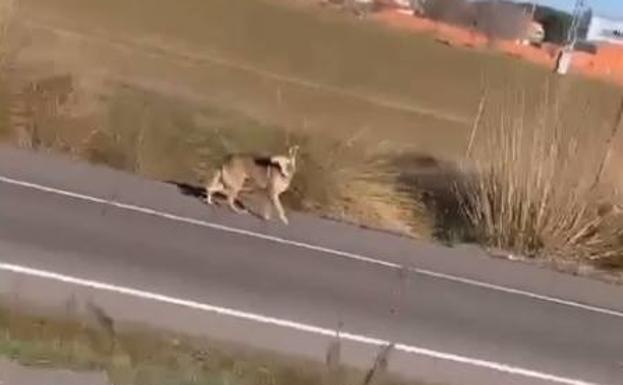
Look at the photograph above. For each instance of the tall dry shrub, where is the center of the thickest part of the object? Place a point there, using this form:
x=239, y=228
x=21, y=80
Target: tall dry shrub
x=7, y=11
x=534, y=193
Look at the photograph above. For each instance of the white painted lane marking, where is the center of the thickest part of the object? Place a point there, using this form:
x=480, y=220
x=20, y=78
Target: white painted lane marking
x=254, y=317
x=303, y=245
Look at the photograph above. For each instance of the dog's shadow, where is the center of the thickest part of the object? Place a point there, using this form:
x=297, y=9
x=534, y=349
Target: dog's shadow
x=199, y=192
x=194, y=191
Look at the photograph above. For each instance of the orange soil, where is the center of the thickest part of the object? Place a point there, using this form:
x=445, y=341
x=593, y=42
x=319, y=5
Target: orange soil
x=606, y=64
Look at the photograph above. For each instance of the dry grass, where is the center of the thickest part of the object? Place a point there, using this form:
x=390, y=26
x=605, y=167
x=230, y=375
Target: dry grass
x=137, y=355
x=7, y=12
x=197, y=89
x=536, y=193
x=335, y=72
x=339, y=177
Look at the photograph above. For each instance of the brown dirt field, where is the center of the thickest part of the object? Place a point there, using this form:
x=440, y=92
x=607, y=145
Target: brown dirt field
x=402, y=88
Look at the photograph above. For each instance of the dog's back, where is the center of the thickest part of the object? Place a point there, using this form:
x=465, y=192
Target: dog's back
x=237, y=168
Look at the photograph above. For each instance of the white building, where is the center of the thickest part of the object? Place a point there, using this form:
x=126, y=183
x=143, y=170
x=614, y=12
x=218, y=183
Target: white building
x=605, y=30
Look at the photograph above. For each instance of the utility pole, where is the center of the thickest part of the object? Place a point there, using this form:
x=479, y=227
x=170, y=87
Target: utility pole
x=572, y=33
x=564, y=57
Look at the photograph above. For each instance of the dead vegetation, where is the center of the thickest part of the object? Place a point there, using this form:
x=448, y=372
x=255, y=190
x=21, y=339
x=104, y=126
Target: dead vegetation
x=497, y=20
x=531, y=189
x=520, y=194
x=35, y=104
x=339, y=177
x=540, y=191
x=7, y=12
x=137, y=355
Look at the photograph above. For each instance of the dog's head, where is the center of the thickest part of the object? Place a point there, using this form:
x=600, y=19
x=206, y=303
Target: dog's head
x=287, y=164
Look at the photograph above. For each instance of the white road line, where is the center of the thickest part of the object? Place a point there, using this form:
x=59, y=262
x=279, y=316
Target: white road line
x=303, y=245
x=496, y=366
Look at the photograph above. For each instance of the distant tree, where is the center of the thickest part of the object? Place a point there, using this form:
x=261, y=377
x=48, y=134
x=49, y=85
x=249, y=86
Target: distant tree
x=555, y=23
x=7, y=13
x=450, y=11
x=496, y=19
x=584, y=23
x=500, y=19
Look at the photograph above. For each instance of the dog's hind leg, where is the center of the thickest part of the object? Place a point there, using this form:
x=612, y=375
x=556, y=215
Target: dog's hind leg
x=232, y=194
x=215, y=186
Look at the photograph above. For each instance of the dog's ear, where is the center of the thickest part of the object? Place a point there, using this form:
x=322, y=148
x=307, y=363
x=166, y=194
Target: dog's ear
x=293, y=150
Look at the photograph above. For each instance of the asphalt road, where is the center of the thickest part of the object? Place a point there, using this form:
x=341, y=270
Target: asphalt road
x=460, y=319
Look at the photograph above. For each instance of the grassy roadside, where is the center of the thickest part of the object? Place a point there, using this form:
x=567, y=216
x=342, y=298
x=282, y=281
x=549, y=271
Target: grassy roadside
x=144, y=356
x=169, y=139
x=140, y=123
x=535, y=196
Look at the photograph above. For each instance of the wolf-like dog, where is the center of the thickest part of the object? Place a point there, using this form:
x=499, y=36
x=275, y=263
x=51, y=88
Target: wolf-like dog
x=271, y=174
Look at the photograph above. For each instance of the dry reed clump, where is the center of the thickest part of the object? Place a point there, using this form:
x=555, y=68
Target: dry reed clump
x=339, y=177
x=84, y=337
x=536, y=192
x=348, y=180
x=7, y=12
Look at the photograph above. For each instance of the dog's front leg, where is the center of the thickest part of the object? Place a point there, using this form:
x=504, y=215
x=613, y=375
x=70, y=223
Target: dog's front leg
x=266, y=213
x=279, y=207
x=215, y=186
